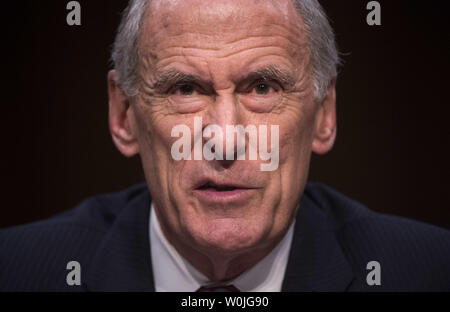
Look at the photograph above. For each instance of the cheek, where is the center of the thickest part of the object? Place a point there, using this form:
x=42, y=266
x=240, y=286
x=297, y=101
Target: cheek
x=296, y=143
x=165, y=175
x=296, y=134
x=155, y=126
x=154, y=136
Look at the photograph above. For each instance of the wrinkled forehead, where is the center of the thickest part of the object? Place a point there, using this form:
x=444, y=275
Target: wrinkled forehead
x=218, y=21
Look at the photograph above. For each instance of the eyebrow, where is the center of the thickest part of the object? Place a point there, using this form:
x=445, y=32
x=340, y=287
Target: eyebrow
x=272, y=73
x=172, y=77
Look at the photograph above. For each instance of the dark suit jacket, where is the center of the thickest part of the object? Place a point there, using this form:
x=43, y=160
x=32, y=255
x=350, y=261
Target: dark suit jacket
x=334, y=240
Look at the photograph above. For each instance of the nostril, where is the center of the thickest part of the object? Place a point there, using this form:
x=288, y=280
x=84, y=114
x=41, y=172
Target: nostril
x=226, y=163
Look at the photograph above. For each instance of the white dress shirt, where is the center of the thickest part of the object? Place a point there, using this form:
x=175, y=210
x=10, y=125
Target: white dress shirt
x=173, y=273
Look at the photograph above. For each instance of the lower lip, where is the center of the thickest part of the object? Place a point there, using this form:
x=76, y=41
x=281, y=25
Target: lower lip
x=213, y=196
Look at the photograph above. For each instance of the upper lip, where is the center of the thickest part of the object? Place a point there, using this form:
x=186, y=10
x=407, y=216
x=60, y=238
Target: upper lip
x=207, y=182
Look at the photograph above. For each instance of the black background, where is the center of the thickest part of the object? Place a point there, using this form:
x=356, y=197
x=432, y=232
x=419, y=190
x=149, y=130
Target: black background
x=391, y=152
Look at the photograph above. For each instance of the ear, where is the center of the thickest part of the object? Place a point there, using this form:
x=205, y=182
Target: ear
x=120, y=119
x=325, y=127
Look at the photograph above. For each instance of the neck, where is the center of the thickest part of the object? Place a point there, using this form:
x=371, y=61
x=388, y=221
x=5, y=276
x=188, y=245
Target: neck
x=219, y=266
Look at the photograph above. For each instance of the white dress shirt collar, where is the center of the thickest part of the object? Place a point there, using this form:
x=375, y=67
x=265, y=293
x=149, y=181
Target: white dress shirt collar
x=172, y=272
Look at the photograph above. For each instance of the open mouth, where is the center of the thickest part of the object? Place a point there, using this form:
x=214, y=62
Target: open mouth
x=222, y=193
x=218, y=188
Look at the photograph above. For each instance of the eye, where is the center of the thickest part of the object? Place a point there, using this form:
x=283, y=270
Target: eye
x=184, y=90
x=264, y=88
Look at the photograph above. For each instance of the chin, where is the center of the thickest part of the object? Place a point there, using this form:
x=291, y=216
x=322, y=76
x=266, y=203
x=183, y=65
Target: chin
x=229, y=236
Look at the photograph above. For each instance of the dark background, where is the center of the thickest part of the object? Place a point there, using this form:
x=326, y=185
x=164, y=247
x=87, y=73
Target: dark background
x=392, y=149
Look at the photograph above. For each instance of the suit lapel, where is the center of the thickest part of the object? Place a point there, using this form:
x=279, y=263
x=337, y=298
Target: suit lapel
x=316, y=261
x=123, y=261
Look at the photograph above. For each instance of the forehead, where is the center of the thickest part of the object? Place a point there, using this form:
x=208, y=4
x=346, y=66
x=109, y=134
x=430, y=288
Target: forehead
x=214, y=24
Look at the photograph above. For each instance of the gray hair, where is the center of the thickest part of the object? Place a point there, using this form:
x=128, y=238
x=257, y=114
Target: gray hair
x=322, y=46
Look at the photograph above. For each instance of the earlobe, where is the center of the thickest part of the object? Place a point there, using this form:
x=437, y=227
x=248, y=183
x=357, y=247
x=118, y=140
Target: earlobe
x=325, y=127
x=120, y=119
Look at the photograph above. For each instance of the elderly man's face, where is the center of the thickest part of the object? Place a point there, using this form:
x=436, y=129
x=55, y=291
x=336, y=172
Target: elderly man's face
x=240, y=63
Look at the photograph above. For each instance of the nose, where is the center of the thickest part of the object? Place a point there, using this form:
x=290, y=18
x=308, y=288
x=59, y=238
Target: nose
x=224, y=114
